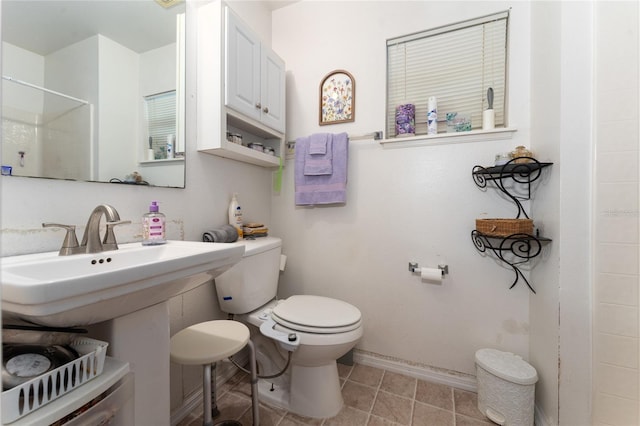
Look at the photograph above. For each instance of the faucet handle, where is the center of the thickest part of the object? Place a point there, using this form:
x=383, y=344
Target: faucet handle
x=70, y=243
x=109, y=242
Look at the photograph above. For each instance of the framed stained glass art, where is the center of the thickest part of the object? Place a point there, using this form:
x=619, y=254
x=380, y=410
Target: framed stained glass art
x=337, y=98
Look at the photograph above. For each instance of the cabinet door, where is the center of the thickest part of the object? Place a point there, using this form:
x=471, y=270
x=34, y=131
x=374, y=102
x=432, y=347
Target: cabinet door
x=272, y=90
x=242, y=88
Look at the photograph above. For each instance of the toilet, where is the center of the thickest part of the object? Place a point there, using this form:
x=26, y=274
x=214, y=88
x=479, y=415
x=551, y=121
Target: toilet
x=304, y=333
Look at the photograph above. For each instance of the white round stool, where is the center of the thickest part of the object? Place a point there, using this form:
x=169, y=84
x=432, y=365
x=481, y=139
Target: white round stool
x=205, y=344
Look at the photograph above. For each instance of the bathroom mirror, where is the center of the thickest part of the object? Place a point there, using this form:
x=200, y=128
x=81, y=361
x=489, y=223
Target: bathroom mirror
x=93, y=90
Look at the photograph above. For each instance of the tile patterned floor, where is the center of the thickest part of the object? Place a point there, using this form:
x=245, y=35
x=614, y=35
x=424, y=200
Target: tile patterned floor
x=372, y=397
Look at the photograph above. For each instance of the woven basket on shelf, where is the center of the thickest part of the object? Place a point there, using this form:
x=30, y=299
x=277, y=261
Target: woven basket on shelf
x=504, y=227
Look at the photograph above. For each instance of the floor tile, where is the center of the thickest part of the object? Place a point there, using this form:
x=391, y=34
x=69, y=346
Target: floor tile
x=268, y=416
x=294, y=419
x=398, y=384
x=233, y=381
x=379, y=421
x=232, y=407
x=366, y=375
x=435, y=394
x=469, y=421
x=242, y=388
x=344, y=370
x=466, y=403
x=358, y=396
x=393, y=407
x=348, y=416
x=372, y=396
x=288, y=421
x=427, y=415
x=191, y=418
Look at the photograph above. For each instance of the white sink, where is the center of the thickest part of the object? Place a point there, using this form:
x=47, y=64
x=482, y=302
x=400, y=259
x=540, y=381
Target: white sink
x=84, y=289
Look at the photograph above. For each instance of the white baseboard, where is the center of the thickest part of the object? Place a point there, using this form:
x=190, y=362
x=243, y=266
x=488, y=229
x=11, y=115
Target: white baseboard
x=445, y=377
x=539, y=418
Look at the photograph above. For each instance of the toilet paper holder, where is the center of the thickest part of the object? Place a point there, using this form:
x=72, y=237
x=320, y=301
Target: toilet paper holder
x=414, y=267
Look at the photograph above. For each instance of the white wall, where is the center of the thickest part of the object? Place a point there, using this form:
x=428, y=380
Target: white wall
x=157, y=74
x=545, y=136
x=70, y=70
x=616, y=363
x=22, y=110
x=118, y=109
x=26, y=66
x=256, y=14
x=561, y=116
x=413, y=204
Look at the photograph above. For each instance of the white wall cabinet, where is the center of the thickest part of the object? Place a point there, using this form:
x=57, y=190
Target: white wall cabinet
x=240, y=89
x=255, y=75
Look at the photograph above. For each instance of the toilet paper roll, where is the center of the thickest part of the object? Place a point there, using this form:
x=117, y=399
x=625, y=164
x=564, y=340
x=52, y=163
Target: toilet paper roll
x=151, y=155
x=433, y=275
x=283, y=262
x=488, y=119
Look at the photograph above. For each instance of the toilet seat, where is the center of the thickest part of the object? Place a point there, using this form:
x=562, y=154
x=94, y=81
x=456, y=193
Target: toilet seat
x=317, y=314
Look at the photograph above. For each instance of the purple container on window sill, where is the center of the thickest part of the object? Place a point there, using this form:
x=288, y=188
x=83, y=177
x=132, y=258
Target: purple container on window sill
x=405, y=120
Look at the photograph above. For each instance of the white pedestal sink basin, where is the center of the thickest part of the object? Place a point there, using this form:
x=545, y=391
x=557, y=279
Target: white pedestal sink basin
x=84, y=289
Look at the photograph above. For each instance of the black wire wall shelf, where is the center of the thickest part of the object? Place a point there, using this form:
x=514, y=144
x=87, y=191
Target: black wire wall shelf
x=514, y=249
x=519, y=172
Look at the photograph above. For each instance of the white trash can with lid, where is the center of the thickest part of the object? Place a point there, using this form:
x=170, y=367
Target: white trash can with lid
x=506, y=387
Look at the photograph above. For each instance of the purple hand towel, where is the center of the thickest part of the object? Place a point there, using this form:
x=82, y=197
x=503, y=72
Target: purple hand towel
x=317, y=162
x=318, y=143
x=322, y=189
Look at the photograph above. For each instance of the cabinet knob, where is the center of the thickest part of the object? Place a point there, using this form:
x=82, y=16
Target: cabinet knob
x=265, y=110
x=258, y=105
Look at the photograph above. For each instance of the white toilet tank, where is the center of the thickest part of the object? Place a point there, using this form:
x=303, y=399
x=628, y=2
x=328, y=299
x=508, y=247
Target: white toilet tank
x=253, y=281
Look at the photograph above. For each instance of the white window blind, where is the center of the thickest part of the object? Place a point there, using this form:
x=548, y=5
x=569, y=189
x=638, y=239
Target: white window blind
x=160, y=110
x=455, y=63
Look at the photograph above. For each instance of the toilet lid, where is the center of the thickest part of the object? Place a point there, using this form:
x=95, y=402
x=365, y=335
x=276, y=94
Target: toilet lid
x=316, y=314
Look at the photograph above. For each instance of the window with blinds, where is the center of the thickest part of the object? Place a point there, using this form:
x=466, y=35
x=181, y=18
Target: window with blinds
x=457, y=64
x=160, y=112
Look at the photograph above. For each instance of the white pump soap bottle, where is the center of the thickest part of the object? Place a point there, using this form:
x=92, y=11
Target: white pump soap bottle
x=235, y=215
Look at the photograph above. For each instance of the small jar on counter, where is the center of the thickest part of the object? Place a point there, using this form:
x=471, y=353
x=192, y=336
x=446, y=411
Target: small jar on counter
x=234, y=138
x=502, y=158
x=257, y=146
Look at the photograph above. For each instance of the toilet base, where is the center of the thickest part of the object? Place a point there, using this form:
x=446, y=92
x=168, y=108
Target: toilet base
x=313, y=391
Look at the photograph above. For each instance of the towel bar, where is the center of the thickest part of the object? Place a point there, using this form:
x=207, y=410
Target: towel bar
x=376, y=136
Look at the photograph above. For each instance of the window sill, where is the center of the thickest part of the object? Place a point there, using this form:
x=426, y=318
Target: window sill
x=163, y=161
x=449, y=138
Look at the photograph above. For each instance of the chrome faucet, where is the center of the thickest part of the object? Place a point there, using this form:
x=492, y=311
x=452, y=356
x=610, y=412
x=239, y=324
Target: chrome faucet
x=91, y=241
x=91, y=238
x=70, y=243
